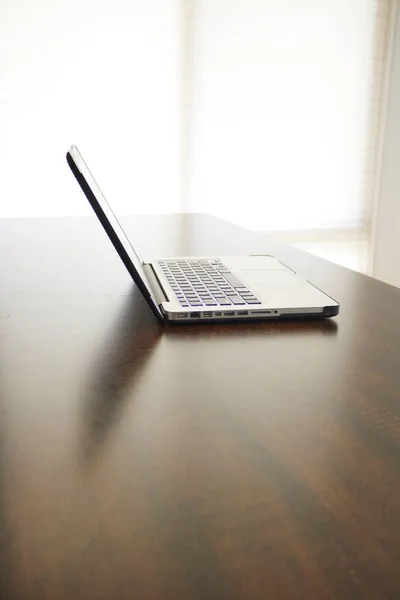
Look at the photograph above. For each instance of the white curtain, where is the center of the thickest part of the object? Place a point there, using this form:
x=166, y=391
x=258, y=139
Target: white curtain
x=285, y=118
x=263, y=112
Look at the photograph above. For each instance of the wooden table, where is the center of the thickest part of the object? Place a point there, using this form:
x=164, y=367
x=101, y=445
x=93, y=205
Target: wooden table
x=208, y=462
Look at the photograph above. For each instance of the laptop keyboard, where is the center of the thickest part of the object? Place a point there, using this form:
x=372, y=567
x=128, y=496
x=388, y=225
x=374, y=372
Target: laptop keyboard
x=206, y=283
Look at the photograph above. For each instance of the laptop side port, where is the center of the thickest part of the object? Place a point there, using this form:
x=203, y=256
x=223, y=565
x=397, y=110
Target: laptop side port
x=195, y=315
x=207, y=314
x=242, y=312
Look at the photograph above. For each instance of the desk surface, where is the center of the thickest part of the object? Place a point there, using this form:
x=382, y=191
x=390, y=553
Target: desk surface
x=208, y=462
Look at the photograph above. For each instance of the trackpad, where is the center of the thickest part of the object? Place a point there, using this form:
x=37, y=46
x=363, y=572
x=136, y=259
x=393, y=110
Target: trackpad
x=263, y=277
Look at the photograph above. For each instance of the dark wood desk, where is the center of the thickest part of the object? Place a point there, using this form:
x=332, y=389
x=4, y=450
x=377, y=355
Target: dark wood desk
x=212, y=462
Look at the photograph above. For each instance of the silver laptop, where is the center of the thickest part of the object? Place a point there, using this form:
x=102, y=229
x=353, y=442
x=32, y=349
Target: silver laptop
x=194, y=289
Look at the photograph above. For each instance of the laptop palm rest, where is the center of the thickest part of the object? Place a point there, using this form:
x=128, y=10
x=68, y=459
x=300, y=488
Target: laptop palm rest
x=281, y=288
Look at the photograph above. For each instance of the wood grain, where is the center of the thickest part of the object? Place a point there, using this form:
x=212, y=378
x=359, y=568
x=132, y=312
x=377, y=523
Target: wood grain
x=215, y=462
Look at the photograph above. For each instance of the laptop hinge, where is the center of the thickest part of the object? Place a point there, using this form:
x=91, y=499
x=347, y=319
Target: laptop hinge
x=156, y=288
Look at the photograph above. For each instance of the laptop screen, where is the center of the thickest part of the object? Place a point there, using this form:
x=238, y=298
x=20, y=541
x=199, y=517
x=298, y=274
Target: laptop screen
x=110, y=223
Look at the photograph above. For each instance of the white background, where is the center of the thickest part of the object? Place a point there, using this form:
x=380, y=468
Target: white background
x=104, y=76
x=255, y=110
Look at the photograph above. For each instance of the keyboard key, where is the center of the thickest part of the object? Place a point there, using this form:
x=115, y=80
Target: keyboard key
x=223, y=301
x=210, y=302
x=237, y=300
x=254, y=301
x=233, y=280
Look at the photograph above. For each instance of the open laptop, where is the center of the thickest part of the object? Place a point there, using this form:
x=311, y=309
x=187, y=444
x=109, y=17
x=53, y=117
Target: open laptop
x=199, y=289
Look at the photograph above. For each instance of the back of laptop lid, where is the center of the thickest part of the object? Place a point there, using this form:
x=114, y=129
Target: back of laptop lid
x=111, y=225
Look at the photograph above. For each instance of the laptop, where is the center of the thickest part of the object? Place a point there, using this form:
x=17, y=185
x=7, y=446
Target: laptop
x=199, y=289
